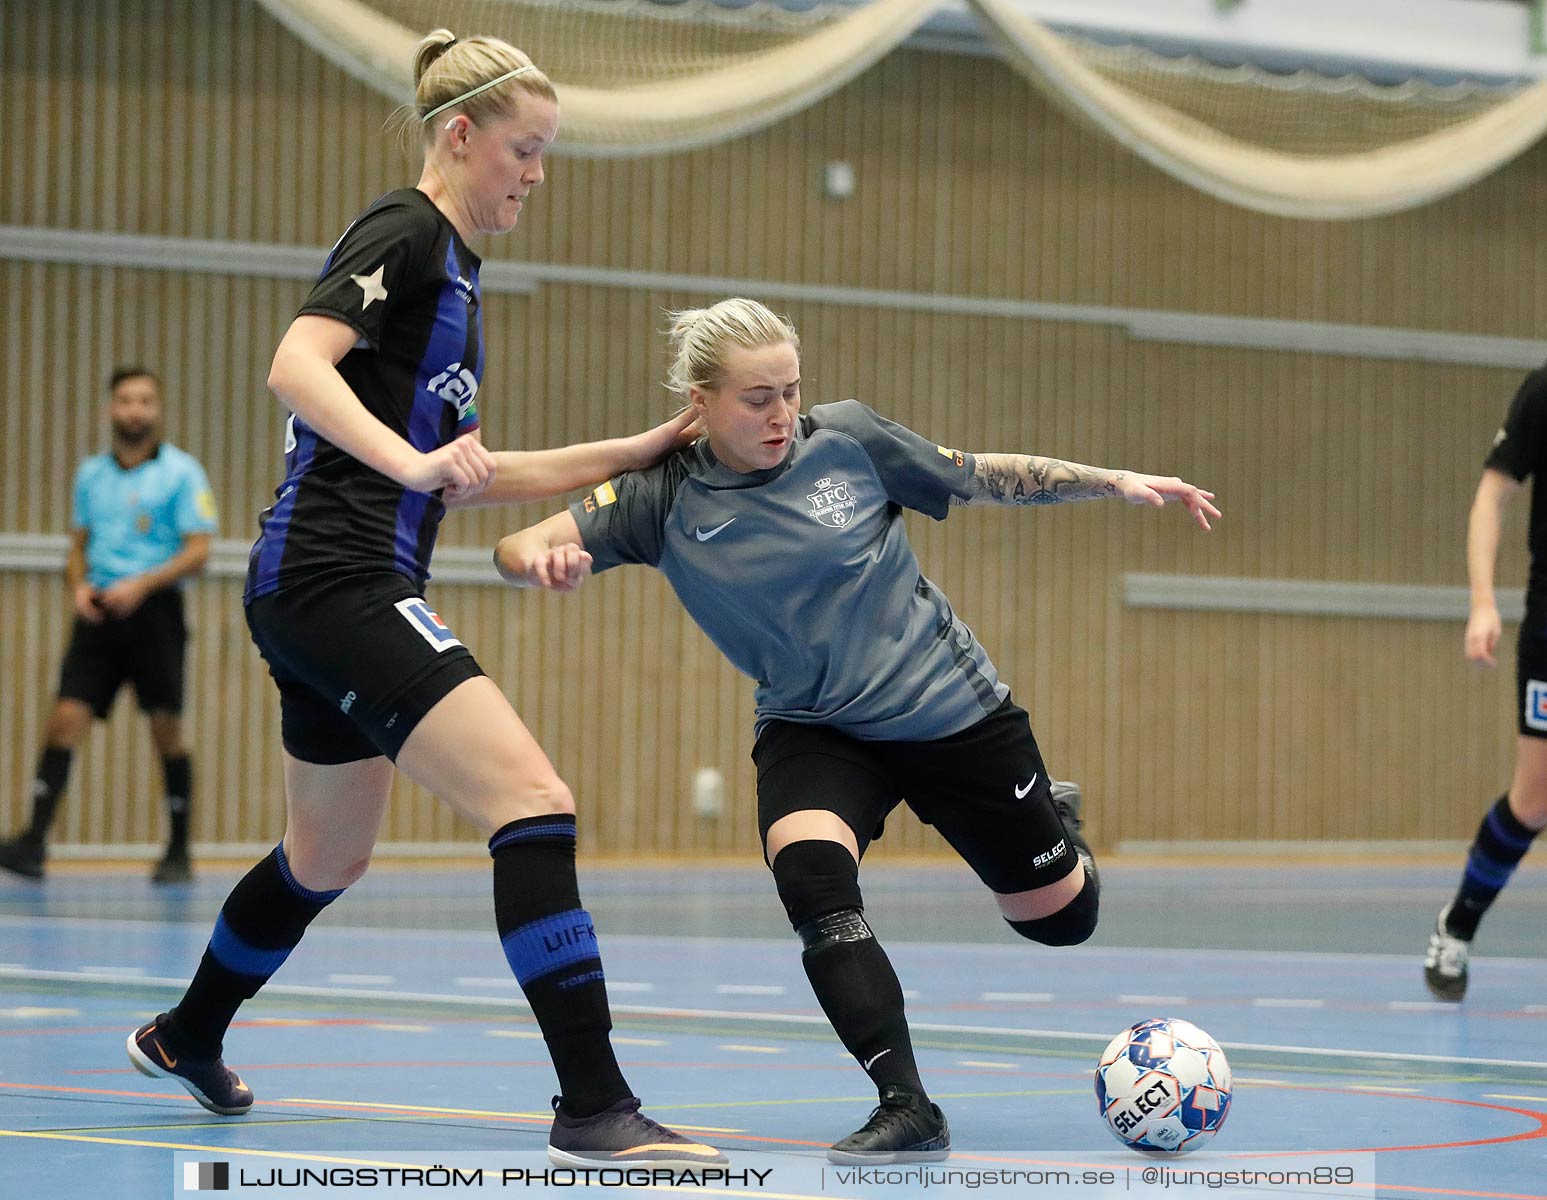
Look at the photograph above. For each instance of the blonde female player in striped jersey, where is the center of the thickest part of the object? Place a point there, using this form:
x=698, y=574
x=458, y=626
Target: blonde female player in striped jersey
x=380, y=370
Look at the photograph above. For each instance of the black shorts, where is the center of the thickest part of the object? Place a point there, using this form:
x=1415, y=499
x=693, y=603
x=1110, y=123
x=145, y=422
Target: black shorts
x=985, y=789
x=359, y=660
x=1531, y=681
x=146, y=648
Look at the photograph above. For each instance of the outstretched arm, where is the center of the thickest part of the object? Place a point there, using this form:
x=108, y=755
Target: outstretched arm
x=523, y=475
x=1030, y=479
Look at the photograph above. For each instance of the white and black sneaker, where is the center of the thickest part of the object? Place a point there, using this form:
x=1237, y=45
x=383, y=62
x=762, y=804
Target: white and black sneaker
x=1445, y=962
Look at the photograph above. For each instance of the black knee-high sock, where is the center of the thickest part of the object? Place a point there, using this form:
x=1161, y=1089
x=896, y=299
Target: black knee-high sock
x=47, y=786
x=858, y=989
x=178, y=772
x=1501, y=843
x=261, y=922
x=550, y=943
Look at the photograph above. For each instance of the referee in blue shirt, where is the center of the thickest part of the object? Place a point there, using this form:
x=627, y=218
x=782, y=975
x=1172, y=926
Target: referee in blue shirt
x=143, y=518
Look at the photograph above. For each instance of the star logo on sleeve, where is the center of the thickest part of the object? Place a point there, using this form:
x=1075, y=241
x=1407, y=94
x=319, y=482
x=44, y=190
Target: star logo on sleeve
x=370, y=287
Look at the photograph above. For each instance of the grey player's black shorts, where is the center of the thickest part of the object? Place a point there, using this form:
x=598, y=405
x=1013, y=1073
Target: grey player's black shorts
x=146, y=648
x=985, y=789
x=1531, y=680
x=359, y=660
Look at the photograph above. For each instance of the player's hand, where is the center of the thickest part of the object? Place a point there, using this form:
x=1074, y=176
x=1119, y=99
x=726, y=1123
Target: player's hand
x=463, y=467
x=649, y=447
x=559, y=568
x=1482, y=635
x=1157, y=489
x=123, y=598
x=86, y=605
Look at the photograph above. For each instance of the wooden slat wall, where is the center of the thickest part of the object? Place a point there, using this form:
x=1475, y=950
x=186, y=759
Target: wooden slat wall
x=1180, y=725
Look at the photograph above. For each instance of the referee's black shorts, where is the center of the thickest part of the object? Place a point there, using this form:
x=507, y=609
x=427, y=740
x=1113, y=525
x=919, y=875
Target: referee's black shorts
x=985, y=789
x=359, y=660
x=146, y=648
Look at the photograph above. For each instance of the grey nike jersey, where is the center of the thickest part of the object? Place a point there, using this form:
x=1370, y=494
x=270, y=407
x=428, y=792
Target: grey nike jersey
x=803, y=576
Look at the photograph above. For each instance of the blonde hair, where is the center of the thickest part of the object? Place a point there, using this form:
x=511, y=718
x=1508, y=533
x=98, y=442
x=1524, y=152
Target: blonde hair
x=446, y=67
x=700, y=340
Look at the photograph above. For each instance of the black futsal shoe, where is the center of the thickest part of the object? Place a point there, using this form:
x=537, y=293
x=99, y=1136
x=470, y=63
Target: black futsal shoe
x=619, y=1135
x=174, y=867
x=1445, y=962
x=1066, y=803
x=208, y=1080
x=22, y=856
x=904, y=1128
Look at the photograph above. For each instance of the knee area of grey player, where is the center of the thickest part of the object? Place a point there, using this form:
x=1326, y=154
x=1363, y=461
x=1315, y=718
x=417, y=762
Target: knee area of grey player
x=1071, y=924
x=818, y=883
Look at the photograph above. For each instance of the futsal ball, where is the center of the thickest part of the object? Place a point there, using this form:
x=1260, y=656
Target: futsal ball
x=1163, y=1086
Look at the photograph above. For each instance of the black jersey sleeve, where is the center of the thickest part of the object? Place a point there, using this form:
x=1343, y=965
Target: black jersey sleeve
x=624, y=520
x=916, y=472
x=377, y=263
x=1518, y=447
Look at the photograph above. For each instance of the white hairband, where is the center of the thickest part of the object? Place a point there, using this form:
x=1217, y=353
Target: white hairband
x=482, y=87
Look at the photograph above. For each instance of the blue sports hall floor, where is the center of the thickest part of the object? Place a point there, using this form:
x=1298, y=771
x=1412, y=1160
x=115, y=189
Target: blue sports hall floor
x=395, y=1034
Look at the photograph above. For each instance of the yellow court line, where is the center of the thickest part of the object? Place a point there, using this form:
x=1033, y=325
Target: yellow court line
x=476, y=1112
x=198, y=1148
x=855, y=1100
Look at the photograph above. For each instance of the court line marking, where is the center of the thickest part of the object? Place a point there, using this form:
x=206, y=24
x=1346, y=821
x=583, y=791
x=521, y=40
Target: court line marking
x=304, y=991
x=199, y=932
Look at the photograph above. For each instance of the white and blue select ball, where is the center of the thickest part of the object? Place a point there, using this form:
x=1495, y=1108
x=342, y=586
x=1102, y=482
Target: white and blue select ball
x=1163, y=1086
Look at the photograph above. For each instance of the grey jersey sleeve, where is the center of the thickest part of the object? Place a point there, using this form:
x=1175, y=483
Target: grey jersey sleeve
x=624, y=520
x=916, y=472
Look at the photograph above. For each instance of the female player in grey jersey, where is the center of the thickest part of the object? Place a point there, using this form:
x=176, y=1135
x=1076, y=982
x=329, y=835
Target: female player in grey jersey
x=381, y=371
x=782, y=535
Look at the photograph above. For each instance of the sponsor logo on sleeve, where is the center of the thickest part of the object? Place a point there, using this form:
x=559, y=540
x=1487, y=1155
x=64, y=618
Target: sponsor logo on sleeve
x=956, y=456
x=370, y=286
x=601, y=497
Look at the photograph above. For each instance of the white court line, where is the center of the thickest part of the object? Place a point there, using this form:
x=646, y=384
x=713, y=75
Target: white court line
x=514, y=1033
x=749, y=989
x=935, y=949
x=1027, y=997
x=1288, y=1002
x=910, y=993
x=977, y=1062
x=628, y=1041
x=740, y=1049
x=132, y=971
x=1529, y=1099
x=622, y=986
x=1381, y=1087
x=1421, y=1006
x=343, y=977
x=386, y=1028
x=517, y=1003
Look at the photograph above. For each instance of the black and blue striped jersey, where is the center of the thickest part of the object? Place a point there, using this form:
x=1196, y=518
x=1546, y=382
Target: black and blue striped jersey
x=404, y=280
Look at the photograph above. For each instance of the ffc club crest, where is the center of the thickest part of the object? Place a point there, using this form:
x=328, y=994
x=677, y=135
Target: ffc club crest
x=831, y=503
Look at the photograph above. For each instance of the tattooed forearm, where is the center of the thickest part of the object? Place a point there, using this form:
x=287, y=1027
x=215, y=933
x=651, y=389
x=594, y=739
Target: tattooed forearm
x=1028, y=479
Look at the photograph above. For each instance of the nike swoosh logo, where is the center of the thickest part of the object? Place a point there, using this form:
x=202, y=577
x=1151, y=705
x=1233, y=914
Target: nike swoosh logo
x=169, y=1063
x=704, y=536
x=876, y=1059
x=1020, y=792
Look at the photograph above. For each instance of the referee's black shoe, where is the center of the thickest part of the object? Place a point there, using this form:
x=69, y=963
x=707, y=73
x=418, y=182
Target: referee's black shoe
x=174, y=867
x=1066, y=802
x=904, y=1128
x=22, y=856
